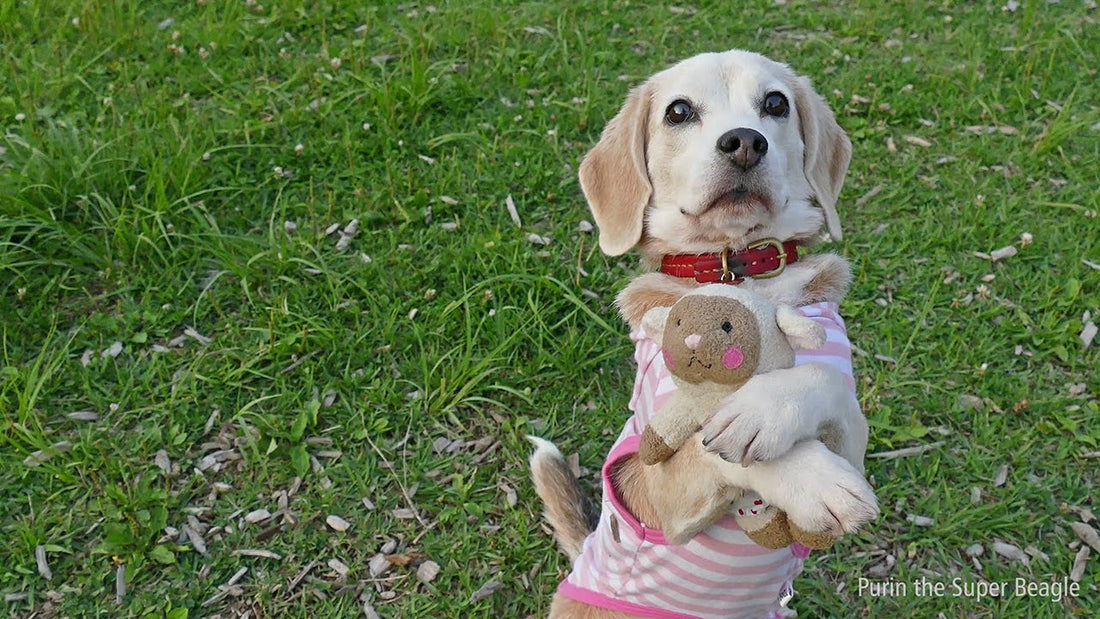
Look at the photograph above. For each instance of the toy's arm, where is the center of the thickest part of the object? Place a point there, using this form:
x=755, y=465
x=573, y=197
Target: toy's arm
x=672, y=424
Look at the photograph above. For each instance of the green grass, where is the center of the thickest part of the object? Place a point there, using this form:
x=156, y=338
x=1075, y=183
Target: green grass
x=147, y=174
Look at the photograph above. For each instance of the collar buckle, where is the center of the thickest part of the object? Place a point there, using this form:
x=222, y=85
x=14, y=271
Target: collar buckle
x=727, y=274
x=781, y=256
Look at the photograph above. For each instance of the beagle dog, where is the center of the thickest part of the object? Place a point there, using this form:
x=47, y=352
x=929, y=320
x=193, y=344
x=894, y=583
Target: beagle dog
x=718, y=168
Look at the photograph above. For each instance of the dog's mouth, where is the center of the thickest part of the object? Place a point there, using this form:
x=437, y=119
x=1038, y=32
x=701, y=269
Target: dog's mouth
x=739, y=198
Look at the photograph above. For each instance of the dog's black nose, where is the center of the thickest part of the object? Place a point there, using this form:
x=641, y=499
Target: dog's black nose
x=745, y=147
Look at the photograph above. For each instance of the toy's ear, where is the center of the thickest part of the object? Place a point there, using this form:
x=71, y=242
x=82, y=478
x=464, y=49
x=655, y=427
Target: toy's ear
x=653, y=323
x=801, y=332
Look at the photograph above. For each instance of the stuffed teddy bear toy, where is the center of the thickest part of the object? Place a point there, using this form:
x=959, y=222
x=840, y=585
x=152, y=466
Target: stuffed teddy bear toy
x=713, y=340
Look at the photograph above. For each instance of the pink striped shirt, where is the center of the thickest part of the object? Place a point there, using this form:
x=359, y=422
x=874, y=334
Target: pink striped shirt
x=720, y=573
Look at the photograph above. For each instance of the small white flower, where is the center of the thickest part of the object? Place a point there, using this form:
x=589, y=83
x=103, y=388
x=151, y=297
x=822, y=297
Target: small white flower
x=335, y=62
x=20, y=117
x=206, y=156
x=76, y=21
x=299, y=149
x=1026, y=239
x=366, y=126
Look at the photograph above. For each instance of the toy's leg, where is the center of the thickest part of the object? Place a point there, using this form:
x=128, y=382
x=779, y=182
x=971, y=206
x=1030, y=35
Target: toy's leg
x=817, y=541
x=764, y=524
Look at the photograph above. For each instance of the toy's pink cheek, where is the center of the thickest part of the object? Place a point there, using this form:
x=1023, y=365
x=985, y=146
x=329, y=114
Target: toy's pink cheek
x=733, y=358
x=668, y=358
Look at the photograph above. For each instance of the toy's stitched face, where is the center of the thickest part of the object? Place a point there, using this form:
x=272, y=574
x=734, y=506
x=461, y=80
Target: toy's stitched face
x=710, y=338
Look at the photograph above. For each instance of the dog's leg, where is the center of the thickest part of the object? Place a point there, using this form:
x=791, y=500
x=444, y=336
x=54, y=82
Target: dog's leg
x=682, y=490
x=568, y=608
x=819, y=490
x=773, y=411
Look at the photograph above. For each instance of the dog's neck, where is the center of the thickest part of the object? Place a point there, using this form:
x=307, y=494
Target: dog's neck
x=802, y=226
x=761, y=260
x=813, y=279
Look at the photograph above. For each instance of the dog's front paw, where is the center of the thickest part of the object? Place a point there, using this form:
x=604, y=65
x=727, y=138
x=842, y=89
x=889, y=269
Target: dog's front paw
x=754, y=435
x=831, y=497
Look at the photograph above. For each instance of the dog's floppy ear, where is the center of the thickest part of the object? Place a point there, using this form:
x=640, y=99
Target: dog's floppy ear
x=653, y=323
x=614, y=177
x=801, y=332
x=828, y=151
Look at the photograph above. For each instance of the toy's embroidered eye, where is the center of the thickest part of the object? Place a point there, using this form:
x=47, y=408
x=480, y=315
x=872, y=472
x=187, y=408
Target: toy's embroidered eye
x=727, y=327
x=679, y=322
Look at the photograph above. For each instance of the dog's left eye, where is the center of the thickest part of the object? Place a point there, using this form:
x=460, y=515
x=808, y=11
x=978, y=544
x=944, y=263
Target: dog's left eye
x=775, y=104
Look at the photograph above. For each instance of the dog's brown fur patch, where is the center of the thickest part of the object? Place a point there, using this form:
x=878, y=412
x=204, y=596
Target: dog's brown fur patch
x=649, y=291
x=632, y=489
x=831, y=281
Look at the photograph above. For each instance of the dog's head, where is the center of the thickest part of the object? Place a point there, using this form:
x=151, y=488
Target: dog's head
x=716, y=151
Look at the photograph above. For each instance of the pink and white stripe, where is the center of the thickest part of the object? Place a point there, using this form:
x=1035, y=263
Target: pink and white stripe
x=720, y=573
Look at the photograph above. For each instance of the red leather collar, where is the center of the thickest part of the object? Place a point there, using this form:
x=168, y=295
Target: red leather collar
x=762, y=259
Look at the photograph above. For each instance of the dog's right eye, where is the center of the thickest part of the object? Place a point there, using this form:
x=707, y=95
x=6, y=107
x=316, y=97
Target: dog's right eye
x=678, y=112
x=775, y=104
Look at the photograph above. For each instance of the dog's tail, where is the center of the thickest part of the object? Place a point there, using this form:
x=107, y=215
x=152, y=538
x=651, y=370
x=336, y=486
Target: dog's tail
x=568, y=511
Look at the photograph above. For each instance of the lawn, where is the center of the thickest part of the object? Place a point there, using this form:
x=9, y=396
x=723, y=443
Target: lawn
x=271, y=339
